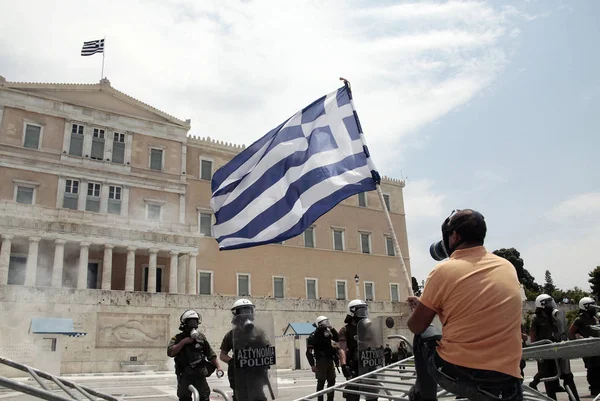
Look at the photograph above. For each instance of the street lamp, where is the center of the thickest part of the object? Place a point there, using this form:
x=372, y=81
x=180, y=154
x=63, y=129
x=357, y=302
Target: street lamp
x=357, y=289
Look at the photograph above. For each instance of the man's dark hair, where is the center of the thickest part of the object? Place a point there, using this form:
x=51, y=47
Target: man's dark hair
x=470, y=225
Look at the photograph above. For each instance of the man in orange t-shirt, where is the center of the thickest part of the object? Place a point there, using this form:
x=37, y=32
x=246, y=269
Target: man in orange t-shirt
x=477, y=297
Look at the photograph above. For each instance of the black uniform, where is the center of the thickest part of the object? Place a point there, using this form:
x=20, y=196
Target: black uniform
x=349, y=334
x=192, y=366
x=583, y=327
x=387, y=352
x=321, y=352
x=254, y=379
x=546, y=328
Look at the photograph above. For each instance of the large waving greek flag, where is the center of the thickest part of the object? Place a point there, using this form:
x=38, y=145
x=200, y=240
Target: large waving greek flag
x=282, y=183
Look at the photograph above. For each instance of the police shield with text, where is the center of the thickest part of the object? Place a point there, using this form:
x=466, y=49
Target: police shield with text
x=350, y=357
x=323, y=354
x=252, y=372
x=194, y=358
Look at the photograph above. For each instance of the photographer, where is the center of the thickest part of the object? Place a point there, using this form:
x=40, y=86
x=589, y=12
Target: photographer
x=194, y=358
x=477, y=297
x=321, y=354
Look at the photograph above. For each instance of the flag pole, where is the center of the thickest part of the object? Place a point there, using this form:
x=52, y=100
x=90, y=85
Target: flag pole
x=103, y=53
x=397, y=251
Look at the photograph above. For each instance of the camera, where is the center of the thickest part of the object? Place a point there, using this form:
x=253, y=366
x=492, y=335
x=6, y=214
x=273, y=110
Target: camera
x=437, y=250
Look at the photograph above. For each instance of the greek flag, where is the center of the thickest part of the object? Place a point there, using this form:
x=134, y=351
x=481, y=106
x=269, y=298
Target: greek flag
x=92, y=47
x=282, y=183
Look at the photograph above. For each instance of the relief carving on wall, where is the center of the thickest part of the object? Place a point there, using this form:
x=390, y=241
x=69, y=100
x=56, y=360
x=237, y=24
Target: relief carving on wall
x=131, y=330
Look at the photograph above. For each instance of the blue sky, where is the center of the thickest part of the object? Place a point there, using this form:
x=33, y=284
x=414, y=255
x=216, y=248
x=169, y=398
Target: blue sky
x=488, y=105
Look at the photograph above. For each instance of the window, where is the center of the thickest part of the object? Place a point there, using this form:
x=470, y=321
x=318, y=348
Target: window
x=76, y=144
x=92, y=202
x=338, y=239
x=243, y=284
x=369, y=291
x=365, y=242
x=206, y=224
x=205, y=283
x=362, y=199
x=118, y=152
x=114, y=199
x=386, y=199
x=277, y=287
x=16, y=270
x=32, y=136
x=394, y=293
x=206, y=170
x=71, y=194
x=340, y=289
x=156, y=156
x=98, y=144
x=389, y=246
x=25, y=195
x=93, y=271
x=159, y=276
x=311, y=288
x=309, y=237
x=153, y=212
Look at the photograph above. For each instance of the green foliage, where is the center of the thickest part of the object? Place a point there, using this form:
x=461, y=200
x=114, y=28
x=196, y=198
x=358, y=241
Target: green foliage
x=549, y=286
x=595, y=282
x=571, y=316
x=527, y=323
x=514, y=257
x=415, y=287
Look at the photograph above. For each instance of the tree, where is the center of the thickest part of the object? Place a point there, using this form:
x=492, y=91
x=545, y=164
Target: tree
x=415, y=287
x=595, y=281
x=532, y=289
x=549, y=286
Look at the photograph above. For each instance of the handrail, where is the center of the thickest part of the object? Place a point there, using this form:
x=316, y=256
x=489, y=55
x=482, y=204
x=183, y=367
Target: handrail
x=45, y=392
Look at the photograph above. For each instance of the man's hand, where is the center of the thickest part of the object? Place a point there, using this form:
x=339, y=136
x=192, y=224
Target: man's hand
x=314, y=368
x=347, y=372
x=413, y=302
x=188, y=340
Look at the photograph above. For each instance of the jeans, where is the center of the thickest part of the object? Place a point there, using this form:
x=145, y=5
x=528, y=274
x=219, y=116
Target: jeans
x=474, y=384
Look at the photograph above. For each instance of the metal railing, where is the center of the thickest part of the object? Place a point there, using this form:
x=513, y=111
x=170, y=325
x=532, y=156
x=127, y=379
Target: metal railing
x=196, y=394
x=70, y=390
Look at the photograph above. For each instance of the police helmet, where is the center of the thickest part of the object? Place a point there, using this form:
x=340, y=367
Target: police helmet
x=190, y=314
x=322, y=321
x=585, y=302
x=242, y=307
x=358, y=308
x=542, y=300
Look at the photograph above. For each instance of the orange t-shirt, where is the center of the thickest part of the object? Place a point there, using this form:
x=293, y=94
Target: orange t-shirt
x=477, y=296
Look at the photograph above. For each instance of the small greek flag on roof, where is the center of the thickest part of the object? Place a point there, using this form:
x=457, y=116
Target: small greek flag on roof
x=92, y=47
x=285, y=181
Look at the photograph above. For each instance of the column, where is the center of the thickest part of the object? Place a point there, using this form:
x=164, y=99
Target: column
x=82, y=194
x=181, y=208
x=128, y=144
x=67, y=137
x=173, y=272
x=191, y=287
x=130, y=269
x=104, y=198
x=125, y=201
x=87, y=141
x=107, y=267
x=5, y=256
x=32, y=257
x=151, y=285
x=59, y=259
x=82, y=272
x=60, y=192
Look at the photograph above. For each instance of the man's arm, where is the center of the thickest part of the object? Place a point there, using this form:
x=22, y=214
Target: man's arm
x=574, y=331
x=421, y=316
x=175, y=348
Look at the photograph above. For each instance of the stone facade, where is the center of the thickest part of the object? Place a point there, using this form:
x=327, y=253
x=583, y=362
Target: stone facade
x=103, y=197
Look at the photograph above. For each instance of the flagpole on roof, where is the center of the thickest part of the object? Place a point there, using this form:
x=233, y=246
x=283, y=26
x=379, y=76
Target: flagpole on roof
x=103, y=53
x=386, y=212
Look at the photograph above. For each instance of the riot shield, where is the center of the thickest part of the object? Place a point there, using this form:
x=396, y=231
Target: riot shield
x=370, y=345
x=255, y=373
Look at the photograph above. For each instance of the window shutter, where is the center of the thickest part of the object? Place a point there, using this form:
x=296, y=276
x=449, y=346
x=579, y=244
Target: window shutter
x=32, y=136
x=118, y=155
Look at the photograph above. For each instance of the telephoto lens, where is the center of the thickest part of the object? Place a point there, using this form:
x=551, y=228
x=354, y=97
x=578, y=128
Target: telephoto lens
x=437, y=251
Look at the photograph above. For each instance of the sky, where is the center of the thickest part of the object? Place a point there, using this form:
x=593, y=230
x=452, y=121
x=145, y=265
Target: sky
x=484, y=105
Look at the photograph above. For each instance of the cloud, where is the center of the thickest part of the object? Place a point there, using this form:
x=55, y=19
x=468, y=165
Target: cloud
x=238, y=69
x=582, y=206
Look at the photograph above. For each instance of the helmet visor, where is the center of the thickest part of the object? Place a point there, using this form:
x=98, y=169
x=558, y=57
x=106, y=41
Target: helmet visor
x=244, y=310
x=361, y=311
x=325, y=323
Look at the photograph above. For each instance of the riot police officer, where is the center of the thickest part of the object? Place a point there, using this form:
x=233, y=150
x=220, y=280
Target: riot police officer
x=583, y=327
x=545, y=325
x=357, y=311
x=194, y=358
x=244, y=388
x=322, y=353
